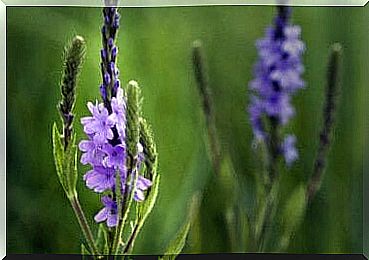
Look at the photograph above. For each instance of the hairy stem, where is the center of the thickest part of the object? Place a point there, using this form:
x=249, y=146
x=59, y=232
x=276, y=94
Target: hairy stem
x=83, y=224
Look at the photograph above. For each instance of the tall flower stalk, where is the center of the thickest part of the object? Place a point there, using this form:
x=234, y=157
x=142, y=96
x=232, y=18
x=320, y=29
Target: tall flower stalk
x=113, y=148
x=109, y=52
x=64, y=148
x=202, y=80
x=332, y=92
x=277, y=78
x=74, y=55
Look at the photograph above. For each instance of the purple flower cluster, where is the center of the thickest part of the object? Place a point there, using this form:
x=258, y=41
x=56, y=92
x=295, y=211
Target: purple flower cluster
x=105, y=150
x=277, y=77
x=107, y=155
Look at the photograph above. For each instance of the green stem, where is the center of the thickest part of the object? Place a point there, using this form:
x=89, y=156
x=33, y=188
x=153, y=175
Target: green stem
x=116, y=239
x=272, y=201
x=83, y=224
x=271, y=186
x=273, y=150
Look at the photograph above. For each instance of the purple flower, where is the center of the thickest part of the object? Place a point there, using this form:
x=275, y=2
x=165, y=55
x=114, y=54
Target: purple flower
x=256, y=109
x=107, y=19
x=103, y=91
x=289, y=151
x=116, y=21
x=100, y=178
x=93, y=151
x=109, y=213
x=107, y=79
x=118, y=105
x=100, y=123
x=278, y=105
x=142, y=185
x=292, y=45
x=110, y=42
x=116, y=156
x=103, y=54
x=114, y=53
x=116, y=86
x=277, y=76
x=112, y=67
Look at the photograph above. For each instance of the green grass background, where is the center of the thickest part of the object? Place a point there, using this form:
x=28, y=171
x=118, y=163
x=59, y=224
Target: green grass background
x=155, y=49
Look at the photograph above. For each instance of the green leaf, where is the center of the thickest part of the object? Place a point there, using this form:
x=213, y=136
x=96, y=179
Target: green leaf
x=243, y=229
x=102, y=240
x=70, y=167
x=58, y=151
x=85, y=253
x=151, y=163
x=227, y=181
x=176, y=245
x=291, y=216
x=65, y=162
x=84, y=250
x=227, y=192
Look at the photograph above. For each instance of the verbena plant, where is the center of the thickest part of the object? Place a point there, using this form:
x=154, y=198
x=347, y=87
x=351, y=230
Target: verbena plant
x=277, y=78
x=119, y=148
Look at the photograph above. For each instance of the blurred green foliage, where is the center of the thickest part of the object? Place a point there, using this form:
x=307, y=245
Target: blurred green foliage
x=155, y=49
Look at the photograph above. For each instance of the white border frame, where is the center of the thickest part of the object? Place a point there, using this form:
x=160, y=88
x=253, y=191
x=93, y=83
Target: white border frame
x=157, y=3
x=3, y=130
x=98, y=3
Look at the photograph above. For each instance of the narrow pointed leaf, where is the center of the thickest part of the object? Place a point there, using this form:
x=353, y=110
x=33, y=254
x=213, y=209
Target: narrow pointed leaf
x=85, y=253
x=58, y=151
x=146, y=207
x=228, y=201
x=177, y=244
x=70, y=167
x=102, y=240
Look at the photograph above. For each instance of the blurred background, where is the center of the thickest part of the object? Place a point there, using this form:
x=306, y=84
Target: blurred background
x=155, y=49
